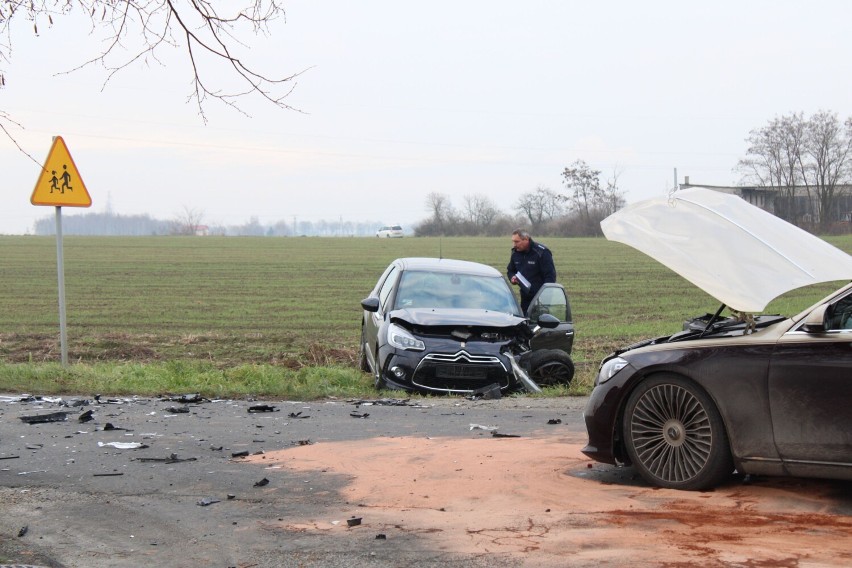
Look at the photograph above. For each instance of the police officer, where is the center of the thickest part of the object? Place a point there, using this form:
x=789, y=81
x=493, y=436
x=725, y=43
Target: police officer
x=530, y=266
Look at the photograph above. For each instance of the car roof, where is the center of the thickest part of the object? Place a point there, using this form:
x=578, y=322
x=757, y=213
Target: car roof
x=447, y=265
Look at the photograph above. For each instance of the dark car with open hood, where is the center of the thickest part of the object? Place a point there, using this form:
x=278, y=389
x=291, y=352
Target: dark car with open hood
x=755, y=394
x=454, y=327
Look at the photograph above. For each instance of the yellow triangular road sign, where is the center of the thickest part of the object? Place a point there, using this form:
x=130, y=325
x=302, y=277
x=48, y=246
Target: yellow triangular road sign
x=60, y=183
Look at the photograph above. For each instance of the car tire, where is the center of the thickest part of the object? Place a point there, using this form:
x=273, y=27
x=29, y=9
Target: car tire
x=363, y=361
x=550, y=367
x=674, y=434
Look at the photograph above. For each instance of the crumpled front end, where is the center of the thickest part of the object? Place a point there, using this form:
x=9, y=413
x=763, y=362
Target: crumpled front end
x=455, y=358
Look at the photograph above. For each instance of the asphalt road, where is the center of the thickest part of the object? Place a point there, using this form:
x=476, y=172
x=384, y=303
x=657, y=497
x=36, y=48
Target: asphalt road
x=177, y=483
x=159, y=482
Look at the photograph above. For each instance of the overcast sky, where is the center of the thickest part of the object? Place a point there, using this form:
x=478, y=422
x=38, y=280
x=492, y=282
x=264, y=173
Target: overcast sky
x=400, y=99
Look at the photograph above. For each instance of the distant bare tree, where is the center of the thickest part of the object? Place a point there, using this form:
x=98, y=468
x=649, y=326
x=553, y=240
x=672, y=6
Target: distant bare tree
x=480, y=211
x=187, y=222
x=539, y=206
x=613, y=196
x=774, y=159
x=441, y=209
x=208, y=31
x=829, y=149
x=792, y=153
x=584, y=187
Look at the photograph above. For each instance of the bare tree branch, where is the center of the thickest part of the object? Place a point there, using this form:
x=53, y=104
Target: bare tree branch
x=196, y=26
x=5, y=118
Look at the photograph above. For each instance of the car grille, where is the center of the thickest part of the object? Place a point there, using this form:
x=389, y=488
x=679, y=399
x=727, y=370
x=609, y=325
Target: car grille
x=460, y=372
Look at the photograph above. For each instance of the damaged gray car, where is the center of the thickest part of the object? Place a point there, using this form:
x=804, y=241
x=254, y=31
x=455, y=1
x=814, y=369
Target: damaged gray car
x=444, y=326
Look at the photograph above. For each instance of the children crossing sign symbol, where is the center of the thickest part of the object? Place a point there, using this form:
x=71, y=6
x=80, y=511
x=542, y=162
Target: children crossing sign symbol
x=60, y=183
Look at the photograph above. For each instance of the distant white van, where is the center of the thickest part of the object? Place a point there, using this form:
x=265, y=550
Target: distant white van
x=393, y=231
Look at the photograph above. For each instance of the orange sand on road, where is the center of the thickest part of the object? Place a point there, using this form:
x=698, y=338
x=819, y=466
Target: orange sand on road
x=541, y=500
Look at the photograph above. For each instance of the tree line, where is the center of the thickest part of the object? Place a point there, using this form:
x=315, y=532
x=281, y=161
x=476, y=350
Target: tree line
x=577, y=211
x=808, y=164
x=190, y=222
x=805, y=163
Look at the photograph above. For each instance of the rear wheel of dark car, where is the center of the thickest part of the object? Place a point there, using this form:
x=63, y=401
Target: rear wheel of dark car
x=674, y=435
x=550, y=367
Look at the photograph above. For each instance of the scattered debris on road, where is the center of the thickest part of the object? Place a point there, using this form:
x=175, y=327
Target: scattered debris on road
x=44, y=418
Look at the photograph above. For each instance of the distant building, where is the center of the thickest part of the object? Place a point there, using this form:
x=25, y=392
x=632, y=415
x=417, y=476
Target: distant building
x=202, y=230
x=802, y=208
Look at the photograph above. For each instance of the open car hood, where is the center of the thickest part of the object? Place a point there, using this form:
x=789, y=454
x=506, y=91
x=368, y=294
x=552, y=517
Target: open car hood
x=738, y=253
x=458, y=317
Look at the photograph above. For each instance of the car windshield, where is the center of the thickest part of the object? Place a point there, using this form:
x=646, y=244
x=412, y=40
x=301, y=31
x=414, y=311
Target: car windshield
x=448, y=290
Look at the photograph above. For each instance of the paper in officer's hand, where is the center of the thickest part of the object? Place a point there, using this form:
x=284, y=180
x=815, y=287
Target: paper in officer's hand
x=523, y=281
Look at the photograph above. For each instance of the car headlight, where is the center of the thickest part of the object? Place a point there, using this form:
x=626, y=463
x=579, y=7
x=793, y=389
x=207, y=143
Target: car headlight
x=610, y=368
x=402, y=339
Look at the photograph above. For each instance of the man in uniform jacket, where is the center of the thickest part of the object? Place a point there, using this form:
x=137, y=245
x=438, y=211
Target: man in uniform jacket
x=530, y=266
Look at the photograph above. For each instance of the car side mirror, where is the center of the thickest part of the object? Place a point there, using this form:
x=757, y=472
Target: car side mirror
x=370, y=304
x=548, y=321
x=815, y=322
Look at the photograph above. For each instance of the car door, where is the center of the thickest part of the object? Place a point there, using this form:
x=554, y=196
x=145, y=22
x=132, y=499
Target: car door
x=552, y=299
x=810, y=389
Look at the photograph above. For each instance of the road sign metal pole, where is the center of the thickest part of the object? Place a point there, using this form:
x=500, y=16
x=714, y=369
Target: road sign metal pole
x=60, y=271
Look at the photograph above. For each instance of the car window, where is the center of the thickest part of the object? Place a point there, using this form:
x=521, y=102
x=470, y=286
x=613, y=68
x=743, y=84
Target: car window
x=446, y=290
x=841, y=314
x=387, y=288
x=551, y=301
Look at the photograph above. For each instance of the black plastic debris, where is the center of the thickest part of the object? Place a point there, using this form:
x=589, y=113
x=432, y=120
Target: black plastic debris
x=109, y=426
x=23, y=531
x=381, y=536
x=555, y=421
x=184, y=398
x=499, y=435
x=262, y=482
x=262, y=408
x=243, y=454
x=297, y=415
x=43, y=418
x=488, y=392
x=9, y=457
x=303, y=442
x=178, y=410
x=112, y=474
x=207, y=501
x=354, y=521
x=357, y=415
x=173, y=458
x=86, y=416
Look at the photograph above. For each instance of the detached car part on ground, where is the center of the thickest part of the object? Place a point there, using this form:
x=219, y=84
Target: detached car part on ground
x=454, y=327
x=764, y=395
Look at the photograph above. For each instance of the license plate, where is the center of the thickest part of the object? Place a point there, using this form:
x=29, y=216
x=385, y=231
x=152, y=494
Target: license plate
x=460, y=372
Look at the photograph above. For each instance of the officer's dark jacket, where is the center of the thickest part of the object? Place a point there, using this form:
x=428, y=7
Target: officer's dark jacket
x=536, y=264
